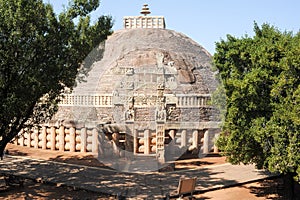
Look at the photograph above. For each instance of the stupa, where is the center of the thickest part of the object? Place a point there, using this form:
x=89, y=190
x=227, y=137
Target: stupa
x=147, y=97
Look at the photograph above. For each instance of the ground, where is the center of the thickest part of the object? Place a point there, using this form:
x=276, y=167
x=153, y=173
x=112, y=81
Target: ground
x=266, y=189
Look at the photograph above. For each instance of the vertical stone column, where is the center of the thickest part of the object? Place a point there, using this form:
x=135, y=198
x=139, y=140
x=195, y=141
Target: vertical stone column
x=172, y=143
x=44, y=137
x=216, y=149
x=95, y=142
x=83, y=139
x=101, y=141
x=28, y=138
x=72, y=139
x=36, y=138
x=61, y=138
x=147, y=142
x=115, y=140
x=183, y=138
x=206, y=142
x=53, y=140
x=135, y=142
x=195, y=138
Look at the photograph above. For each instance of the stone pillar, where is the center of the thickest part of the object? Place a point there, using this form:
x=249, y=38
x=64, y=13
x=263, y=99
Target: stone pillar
x=115, y=140
x=72, y=139
x=183, y=138
x=216, y=149
x=206, y=142
x=61, y=138
x=147, y=142
x=101, y=141
x=195, y=138
x=95, y=142
x=44, y=137
x=28, y=138
x=53, y=139
x=36, y=138
x=83, y=139
x=135, y=142
x=172, y=143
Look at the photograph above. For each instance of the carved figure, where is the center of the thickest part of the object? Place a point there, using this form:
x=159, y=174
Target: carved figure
x=129, y=114
x=160, y=114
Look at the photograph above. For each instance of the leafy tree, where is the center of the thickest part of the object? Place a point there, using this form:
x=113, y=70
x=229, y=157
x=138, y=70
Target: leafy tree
x=40, y=54
x=261, y=76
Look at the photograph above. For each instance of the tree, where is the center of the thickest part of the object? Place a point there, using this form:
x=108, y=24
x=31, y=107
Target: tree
x=40, y=54
x=261, y=76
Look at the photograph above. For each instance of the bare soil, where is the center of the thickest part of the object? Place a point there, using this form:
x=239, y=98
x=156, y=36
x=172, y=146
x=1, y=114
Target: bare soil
x=266, y=189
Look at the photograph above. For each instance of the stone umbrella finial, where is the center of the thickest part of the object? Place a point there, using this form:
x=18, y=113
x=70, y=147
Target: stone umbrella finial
x=145, y=10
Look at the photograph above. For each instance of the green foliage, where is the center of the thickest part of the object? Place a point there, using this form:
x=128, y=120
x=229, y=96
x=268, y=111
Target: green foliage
x=261, y=76
x=40, y=54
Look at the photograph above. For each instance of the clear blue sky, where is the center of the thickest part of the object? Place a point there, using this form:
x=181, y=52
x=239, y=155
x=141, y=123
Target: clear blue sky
x=205, y=21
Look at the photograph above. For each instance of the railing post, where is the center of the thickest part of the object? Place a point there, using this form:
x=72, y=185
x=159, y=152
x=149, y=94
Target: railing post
x=61, y=136
x=95, y=142
x=83, y=139
x=72, y=139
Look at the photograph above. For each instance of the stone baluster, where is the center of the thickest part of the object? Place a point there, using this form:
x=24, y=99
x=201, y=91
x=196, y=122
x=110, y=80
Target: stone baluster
x=206, y=142
x=44, y=137
x=61, y=140
x=183, y=139
x=195, y=138
x=72, y=139
x=147, y=142
x=172, y=143
x=95, y=142
x=28, y=138
x=135, y=142
x=216, y=149
x=36, y=138
x=115, y=140
x=53, y=138
x=83, y=139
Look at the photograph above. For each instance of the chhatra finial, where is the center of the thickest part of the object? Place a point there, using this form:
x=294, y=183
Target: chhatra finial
x=145, y=10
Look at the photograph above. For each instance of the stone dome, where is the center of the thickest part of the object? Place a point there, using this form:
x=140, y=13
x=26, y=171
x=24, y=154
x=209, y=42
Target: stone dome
x=143, y=98
x=186, y=70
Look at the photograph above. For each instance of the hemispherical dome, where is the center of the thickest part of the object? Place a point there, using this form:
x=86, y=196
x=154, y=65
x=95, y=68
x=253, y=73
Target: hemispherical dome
x=134, y=63
x=140, y=48
x=148, y=91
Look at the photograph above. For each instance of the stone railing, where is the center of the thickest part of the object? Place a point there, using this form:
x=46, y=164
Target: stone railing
x=83, y=139
x=193, y=100
x=60, y=138
x=131, y=22
x=104, y=100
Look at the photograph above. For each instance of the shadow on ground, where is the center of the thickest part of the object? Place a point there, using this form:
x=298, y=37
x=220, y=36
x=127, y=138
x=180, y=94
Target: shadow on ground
x=144, y=185
x=274, y=189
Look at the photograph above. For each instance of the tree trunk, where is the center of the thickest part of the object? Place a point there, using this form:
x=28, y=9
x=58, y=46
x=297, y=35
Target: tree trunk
x=2, y=147
x=289, y=185
x=5, y=140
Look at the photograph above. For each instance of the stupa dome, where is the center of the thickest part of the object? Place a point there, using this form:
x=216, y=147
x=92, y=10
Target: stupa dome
x=148, y=90
x=186, y=65
x=142, y=98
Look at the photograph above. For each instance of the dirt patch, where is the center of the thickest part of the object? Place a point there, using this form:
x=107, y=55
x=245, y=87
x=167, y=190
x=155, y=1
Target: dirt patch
x=266, y=189
x=34, y=190
x=89, y=159
x=261, y=190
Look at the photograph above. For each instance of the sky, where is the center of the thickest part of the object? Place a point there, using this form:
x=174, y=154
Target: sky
x=206, y=22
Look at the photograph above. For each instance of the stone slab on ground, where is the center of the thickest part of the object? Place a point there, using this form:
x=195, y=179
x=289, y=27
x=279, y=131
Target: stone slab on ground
x=152, y=185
